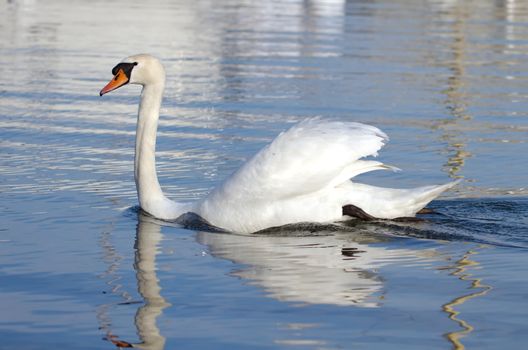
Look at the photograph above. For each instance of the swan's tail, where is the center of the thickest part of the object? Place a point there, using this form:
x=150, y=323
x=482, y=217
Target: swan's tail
x=421, y=196
x=390, y=203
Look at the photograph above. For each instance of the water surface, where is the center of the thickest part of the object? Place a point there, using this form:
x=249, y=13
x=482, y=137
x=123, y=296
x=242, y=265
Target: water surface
x=81, y=267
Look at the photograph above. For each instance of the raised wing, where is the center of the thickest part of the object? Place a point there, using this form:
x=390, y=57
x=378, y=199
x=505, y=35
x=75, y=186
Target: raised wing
x=310, y=156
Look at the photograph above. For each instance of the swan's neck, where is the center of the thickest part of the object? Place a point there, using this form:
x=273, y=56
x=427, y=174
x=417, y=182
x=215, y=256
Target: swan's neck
x=147, y=183
x=151, y=198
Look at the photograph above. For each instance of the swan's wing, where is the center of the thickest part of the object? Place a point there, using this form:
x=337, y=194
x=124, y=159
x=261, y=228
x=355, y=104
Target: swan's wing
x=308, y=157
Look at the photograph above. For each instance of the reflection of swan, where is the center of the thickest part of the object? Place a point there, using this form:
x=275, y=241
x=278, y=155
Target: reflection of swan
x=147, y=240
x=323, y=269
x=303, y=176
x=148, y=236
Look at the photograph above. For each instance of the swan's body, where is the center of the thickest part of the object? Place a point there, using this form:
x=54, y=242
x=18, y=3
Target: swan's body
x=302, y=176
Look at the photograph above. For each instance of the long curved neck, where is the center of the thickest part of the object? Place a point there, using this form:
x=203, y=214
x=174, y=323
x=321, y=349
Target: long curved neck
x=150, y=196
x=147, y=184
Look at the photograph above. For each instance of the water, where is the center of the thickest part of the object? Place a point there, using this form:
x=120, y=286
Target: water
x=81, y=267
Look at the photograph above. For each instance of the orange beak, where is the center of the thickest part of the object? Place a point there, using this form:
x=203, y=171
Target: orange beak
x=119, y=80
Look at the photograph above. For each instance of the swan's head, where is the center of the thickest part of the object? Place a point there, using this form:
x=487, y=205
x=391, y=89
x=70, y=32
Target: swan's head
x=140, y=69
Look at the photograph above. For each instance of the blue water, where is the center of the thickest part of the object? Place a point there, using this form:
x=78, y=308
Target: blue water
x=81, y=267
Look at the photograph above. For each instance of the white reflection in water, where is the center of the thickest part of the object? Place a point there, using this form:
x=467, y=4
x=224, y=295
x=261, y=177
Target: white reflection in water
x=337, y=269
x=147, y=246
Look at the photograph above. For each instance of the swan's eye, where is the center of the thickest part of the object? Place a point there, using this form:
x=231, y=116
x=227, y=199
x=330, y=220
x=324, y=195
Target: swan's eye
x=125, y=67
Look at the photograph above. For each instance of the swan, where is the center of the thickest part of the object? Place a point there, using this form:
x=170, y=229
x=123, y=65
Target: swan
x=304, y=175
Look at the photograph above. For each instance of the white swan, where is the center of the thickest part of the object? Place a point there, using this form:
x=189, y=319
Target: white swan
x=302, y=176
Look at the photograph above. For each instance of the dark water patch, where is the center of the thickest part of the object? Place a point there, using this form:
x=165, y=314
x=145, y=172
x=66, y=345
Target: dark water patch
x=189, y=221
x=192, y=221
x=302, y=229
x=498, y=222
